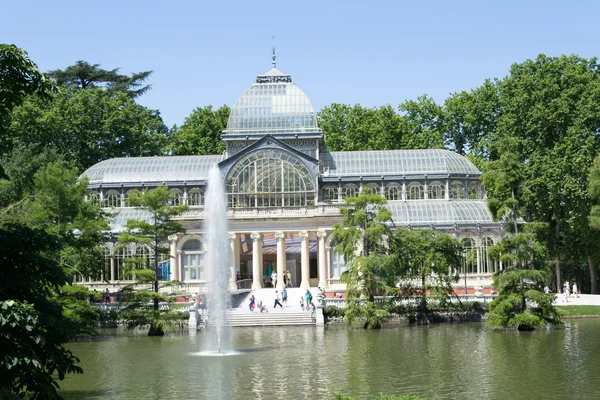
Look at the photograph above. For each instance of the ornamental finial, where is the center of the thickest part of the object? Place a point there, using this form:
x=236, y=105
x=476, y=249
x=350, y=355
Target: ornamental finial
x=273, y=57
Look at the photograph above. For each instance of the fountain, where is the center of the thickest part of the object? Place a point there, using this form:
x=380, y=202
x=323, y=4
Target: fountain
x=218, y=335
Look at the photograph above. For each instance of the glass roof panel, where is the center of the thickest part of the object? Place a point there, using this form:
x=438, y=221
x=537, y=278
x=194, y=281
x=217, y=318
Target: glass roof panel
x=427, y=212
x=396, y=162
x=152, y=169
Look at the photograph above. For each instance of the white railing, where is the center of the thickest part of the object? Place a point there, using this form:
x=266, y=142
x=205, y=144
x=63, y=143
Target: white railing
x=245, y=213
x=341, y=303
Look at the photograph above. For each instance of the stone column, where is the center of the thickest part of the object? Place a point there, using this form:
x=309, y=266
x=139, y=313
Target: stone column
x=233, y=248
x=256, y=260
x=447, y=196
x=173, y=258
x=112, y=268
x=179, y=266
x=281, y=259
x=304, y=260
x=321, y=235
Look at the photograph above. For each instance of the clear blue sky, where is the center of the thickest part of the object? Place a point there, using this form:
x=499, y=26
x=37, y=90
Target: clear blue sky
x=367, y=52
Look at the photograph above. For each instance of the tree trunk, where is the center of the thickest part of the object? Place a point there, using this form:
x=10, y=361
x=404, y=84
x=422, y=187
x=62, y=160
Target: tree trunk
x=593, y=275
x=156, y=330
x=557, y=273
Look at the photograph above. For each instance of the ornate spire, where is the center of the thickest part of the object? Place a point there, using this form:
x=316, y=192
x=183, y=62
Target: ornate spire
x=273, y=57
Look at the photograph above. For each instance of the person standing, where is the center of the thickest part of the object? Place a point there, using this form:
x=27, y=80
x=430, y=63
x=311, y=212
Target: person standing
x=575, y=289
x=289, y=278
x=274, y=278
x=284, y=296
x=277, y=300
x=312, y=310
x=308, y=297
x=107, y=296
x=251, y=305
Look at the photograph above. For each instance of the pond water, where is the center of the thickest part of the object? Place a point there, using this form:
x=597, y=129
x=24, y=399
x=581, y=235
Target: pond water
x=442, y=361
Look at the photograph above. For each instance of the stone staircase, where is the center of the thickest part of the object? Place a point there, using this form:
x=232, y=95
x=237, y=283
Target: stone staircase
x=291, y=314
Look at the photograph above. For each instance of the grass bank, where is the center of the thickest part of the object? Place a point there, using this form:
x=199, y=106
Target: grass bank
x=579, y=311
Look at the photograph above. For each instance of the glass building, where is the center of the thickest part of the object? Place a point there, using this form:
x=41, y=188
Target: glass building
x=284, y=190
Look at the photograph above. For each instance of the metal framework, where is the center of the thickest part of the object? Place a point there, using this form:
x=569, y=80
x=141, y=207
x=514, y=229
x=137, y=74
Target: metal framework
x=270, y=178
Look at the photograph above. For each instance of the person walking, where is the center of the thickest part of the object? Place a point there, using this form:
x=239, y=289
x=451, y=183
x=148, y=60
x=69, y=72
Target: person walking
x=284, y=296
x=312, y=310
x=308, y=297
x=277, y=300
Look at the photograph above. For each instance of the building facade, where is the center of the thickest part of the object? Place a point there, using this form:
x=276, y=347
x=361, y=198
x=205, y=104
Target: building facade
x=284, y=190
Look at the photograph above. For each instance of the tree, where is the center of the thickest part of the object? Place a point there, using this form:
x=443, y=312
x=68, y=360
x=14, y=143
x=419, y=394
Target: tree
x=19, y=78
x=471, y=119
x=551, y=105
x=154, y=233
x=201, y=132
x=351, y=128
x=33, y=327
x=426, y=124
x=521, y=304
x=427, y=265
x=503, y=179
x=88, y=126
x=363, y=240
x=594, y=217
x=83, y=75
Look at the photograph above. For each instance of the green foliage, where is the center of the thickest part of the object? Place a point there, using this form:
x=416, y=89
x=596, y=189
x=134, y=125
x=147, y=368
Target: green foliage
x=521, y=303
x=426, y=261
x=19, y=77
x=33, y=326
x=154, y=233
x=349, y=128
x=83, y=75
x=426, y=124
x=201, y=132
x=333, y=312
x=363, y=240
x=88, y=126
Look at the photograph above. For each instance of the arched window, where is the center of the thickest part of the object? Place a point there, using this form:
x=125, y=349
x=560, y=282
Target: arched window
x=330, y=193
x=488, y=266
x=457, y=190
x=469, y=256
x=436, y=190
x=414, y=191
x=127, y=196
x=375, y=188
x=349, y=190
x=192, y=259
x=112, y=198
x=176, y=197
x=195, y=197
x=475, y=190
x=337, y=263
x=393, y=191
x=270, y=178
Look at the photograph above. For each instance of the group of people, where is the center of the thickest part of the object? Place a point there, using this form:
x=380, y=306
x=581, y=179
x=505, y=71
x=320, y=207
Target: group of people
x=287, y=279
x=306, y=303
x=567, y=291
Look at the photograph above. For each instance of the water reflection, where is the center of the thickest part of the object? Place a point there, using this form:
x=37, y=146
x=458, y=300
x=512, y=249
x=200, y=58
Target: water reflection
x=440, y=361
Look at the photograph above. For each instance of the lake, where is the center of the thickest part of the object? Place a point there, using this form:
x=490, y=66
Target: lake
x=442, y=361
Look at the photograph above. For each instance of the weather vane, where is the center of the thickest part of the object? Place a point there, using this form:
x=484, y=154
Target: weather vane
x=274, y=57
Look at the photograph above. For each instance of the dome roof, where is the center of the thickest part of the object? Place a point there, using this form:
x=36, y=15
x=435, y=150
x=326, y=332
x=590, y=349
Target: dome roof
x=272, y=105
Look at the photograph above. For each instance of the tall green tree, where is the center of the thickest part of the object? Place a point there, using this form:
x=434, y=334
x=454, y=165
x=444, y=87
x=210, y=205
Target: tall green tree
x=427, y=265
x=351, y=128
x=363, y=240
x=471, y=119
x=200, y=133
x=426, y=124
x=155, y=232
x=83, y=75
x=551, y=105
x=33, y=326
x=594, y=217
x=88, y=126
x=19, y=78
